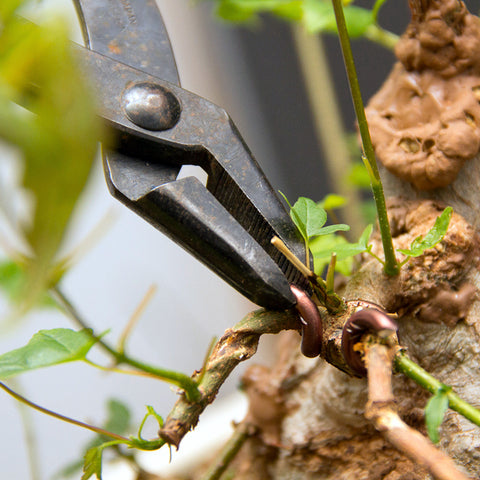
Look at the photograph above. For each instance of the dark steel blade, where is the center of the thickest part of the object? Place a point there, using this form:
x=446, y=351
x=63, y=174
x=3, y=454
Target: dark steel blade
x=131, y=32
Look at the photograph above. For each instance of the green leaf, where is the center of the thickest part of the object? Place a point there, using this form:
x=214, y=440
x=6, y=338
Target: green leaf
x=330, y=243
x=308, y=217
x=12, y=282
x=58, y=142
x=119, y=417
x=318, y=16
x=92, y=464
x=241, y=11
x=47, y=348
x=343, y=249
x=332, y=201
x=339, y=227
x=433, y=237
x=358, y=176
x=8, y=8
x=358, y=20
x=365, y=236
x=434, y=413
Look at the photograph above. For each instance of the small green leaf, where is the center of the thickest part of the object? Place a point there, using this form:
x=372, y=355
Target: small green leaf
x=358, y=176
x=289, y=10
x=308, y=217
x=434, y=413
x=57, y=143
x=339, y=227
x=92, y=464
x=119, y=417
x=330, y=243
x=433, y=237
x=318, y=16
x=342, y=249
x=242, y=11
x=358, y=20
x=12, y=282
x=47, y=348
x=8, y=8
x=332, y=201
x=365, y=236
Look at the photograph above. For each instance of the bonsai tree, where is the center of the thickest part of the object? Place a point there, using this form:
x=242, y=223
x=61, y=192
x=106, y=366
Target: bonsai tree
x=395, y=310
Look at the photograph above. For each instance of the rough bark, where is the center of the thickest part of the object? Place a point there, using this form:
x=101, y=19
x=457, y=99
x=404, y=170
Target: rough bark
x=312, y=413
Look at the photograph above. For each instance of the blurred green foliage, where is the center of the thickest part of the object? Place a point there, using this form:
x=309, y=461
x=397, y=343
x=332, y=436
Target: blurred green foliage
x=316, y=16
x=47, y=113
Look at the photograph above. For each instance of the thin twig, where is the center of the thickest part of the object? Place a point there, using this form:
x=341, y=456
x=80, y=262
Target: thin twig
x=296, y=262
x=381, y=411
x=409, y=368
x=241, y=434
x=179, y=379
x=236, y=345
x=100, y=431
x=391, y=264
x=135, y=317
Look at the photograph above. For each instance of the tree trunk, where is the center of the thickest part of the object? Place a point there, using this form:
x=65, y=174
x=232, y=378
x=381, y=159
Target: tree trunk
x=425, y=127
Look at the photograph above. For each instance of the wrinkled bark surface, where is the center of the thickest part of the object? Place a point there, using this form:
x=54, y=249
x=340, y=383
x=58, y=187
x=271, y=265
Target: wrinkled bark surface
x=311, y=415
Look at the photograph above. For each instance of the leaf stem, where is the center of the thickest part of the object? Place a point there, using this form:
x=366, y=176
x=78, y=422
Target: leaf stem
x=135, y=317
x=179, y=379
x=391, y=265
x=58, y=416
x=382, y=37
x=409, y=368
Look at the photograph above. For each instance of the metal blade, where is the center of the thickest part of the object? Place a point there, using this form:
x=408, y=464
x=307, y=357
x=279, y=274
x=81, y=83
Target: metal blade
x=131, y=32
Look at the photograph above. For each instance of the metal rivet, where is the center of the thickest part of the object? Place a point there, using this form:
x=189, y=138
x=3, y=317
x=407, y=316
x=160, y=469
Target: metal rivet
x=151, y=106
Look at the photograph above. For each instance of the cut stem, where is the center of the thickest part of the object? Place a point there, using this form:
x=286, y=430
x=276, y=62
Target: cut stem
x=391, y=265
x=302, y=268
x=330, y=300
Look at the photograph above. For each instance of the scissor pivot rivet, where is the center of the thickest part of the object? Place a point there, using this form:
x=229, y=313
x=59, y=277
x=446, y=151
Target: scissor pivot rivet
x=151, y=106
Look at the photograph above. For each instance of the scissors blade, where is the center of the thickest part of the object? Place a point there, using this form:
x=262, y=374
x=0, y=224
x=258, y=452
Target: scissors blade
x=131, y=32
x=204, y=136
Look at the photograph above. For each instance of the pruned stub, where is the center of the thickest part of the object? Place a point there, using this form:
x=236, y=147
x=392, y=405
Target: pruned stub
x=425, y=120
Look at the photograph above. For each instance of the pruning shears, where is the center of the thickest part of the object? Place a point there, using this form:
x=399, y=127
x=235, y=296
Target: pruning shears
x=227, y=224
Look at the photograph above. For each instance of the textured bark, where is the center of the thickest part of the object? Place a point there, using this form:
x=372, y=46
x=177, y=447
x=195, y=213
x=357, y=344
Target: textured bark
x=315, y=426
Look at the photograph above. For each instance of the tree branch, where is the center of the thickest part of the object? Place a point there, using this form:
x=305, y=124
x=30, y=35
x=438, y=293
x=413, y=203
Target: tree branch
x=381, y=411
x=410, y=369
x=236, y=345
